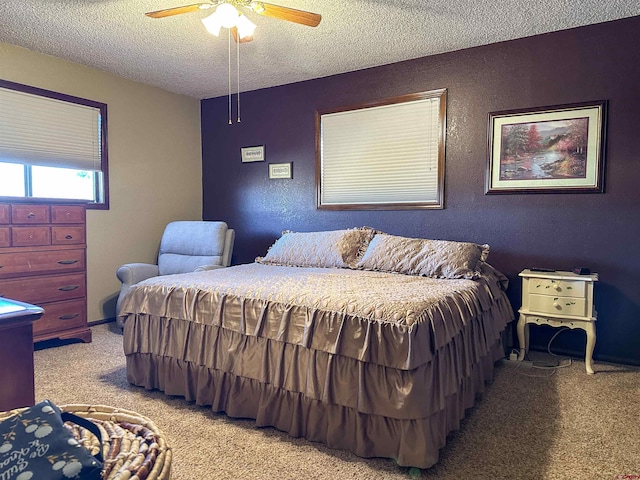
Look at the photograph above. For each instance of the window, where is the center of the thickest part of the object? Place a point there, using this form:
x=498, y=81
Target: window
x=387, y=155
x=52, y=146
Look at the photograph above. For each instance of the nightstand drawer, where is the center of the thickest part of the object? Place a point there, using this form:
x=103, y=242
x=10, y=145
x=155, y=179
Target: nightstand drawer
x=558, y=305
x=565, y=288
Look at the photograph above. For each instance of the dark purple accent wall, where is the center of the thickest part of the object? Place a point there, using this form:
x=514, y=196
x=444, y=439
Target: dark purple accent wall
x=600, y=231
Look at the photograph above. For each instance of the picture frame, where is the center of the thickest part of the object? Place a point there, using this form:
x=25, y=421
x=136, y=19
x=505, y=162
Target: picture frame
x=252, y=154
x=557, y=149
x=280, y=170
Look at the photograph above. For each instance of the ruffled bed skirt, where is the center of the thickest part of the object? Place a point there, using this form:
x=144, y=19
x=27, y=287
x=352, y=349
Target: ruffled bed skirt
x=411, y=442
x=390, y=389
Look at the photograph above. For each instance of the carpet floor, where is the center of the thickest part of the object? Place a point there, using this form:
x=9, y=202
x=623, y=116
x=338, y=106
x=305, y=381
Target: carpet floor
x=529, y=424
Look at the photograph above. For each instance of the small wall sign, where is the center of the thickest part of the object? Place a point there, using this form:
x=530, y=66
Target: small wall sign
x=252, y=154
x=280, y=170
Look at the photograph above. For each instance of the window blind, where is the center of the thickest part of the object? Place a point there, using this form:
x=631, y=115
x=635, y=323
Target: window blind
x=383, y=155
x=38, y=130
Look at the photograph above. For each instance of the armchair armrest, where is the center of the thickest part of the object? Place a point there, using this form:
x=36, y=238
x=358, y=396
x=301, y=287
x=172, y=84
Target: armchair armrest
x=132, y=273
x=204, y=268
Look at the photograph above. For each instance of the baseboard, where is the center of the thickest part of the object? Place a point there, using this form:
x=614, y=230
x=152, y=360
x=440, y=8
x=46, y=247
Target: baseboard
x=100, y=322
x=580, y=356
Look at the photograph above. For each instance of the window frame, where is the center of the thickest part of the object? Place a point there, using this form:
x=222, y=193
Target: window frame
x=400, y=204
x=101, y=188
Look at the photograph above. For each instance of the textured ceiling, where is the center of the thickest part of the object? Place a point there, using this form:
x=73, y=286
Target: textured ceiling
x=177, y=54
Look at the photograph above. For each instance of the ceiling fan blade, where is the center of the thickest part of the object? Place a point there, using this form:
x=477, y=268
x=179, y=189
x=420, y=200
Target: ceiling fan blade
x=285, y=13
x=178, y=10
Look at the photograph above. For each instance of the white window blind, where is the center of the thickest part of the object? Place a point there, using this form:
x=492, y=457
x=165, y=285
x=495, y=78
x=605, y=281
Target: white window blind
x=38, y=130
x=384, y=156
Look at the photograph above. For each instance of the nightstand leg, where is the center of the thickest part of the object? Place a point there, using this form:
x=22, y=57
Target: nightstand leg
x=523, y=337
x=590, y=328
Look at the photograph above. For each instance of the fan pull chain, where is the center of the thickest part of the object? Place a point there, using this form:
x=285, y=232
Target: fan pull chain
x=229, y=70
x=238, y=73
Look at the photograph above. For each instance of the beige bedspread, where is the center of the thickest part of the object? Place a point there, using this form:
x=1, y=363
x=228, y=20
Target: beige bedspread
x=382, y=318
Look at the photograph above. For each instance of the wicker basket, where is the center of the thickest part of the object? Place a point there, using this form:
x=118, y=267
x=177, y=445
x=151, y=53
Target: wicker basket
x=132, y=446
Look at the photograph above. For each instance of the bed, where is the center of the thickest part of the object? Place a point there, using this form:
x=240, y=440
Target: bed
x=365, y=341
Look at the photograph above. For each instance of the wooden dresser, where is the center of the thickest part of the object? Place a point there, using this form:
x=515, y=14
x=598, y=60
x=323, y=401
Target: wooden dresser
x=43, y=262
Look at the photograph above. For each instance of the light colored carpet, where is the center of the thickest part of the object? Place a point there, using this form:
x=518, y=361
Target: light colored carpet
x=565, y=426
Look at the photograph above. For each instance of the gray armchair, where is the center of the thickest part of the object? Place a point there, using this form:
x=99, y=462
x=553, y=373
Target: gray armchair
x=186, y=246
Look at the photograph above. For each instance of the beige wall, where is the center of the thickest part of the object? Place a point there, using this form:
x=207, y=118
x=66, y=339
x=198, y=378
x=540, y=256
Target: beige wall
x=155, y=167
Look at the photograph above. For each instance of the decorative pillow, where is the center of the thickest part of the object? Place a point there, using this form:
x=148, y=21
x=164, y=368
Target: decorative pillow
x=336, y=248
x=429, y=258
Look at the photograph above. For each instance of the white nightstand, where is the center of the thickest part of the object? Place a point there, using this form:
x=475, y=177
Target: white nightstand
x=558, y=299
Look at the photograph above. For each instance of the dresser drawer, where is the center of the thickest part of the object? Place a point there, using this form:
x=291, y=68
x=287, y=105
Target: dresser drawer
x=26, y=214
x=558, y=305
x=4, y=214
x=61, y=316
x=565, y=288
x=38, y=262
x=40, y=290
x=68, y=235
x=67, y=214
x=5, y=237
x=30, y=236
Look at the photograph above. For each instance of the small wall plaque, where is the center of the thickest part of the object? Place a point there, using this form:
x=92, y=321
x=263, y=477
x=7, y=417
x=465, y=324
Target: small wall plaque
x=280, y=170
x=252, y=154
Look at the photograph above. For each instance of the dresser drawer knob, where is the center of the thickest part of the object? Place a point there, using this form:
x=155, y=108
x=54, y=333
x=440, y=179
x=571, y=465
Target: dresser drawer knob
x=67, y=262
x=68, y=237
x=31, y=215
x=69, y=316
x=68, y=288
x=557, y=305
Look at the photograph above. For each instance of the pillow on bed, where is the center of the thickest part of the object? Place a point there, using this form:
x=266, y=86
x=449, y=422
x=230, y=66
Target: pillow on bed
x=428, y=258
x=336, y=248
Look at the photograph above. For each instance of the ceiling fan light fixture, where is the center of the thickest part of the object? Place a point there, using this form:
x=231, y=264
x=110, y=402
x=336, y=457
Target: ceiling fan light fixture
x=257, y=7
x=227, y=14
x=212, y=24
x=245, y=26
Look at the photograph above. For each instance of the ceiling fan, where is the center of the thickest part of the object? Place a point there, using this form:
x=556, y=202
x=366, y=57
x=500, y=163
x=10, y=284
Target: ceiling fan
x=227, y=15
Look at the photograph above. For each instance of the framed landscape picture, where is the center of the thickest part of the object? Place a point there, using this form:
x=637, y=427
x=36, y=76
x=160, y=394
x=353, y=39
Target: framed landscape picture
x=557, y=149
